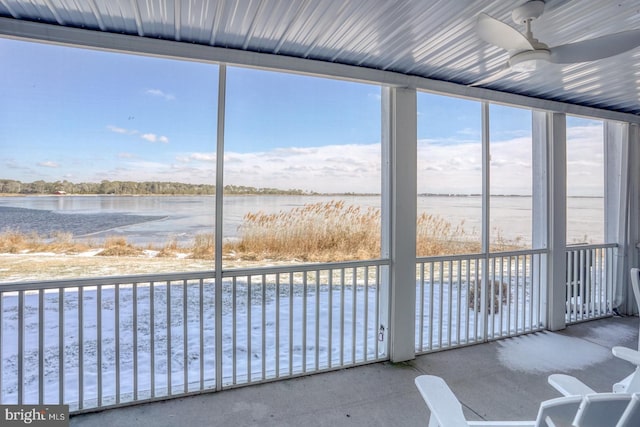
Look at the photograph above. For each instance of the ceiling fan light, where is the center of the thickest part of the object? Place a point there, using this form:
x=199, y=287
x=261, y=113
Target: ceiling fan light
x=529, y=60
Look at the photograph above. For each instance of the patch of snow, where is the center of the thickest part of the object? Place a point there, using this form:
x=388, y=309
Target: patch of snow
x=619, y=331
x=547, y=352
x=149, y=253
x=92, y=252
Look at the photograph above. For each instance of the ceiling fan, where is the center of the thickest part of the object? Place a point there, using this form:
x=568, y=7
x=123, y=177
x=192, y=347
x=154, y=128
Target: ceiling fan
x=526, y=53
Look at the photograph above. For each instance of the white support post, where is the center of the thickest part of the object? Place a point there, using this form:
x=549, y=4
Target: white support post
x=399, y=159
x=486, y=221
x=540, y=199
x=633, y=236
x=222, y=85
x=616, y=205
x=550, y=135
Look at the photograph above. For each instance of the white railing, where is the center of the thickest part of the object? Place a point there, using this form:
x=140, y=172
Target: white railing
x=104, y=342
x=590, y=281
x=112, y=341
x=453, y=308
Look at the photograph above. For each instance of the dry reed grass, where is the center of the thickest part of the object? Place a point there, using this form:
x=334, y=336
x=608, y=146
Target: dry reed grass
x=118, y=246
x=14, y=242
x=318, y=232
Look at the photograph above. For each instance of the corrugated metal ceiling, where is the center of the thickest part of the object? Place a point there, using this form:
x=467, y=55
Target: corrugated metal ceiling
x=428, y=38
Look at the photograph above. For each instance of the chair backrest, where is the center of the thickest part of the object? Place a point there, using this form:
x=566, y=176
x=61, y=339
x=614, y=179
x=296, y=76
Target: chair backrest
x=602, y=409
x=631, y=415
x=559, y=412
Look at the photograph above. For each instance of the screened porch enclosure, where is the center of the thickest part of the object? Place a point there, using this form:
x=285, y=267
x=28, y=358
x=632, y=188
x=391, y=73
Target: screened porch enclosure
x=105, y=342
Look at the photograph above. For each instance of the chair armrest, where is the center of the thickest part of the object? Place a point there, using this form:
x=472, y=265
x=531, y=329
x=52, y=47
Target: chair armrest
x=502, y=423
x=568, y=385
x=625, y=353
x=445, y=408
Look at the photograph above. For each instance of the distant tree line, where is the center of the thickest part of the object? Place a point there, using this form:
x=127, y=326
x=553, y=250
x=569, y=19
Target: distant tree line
x=10, y=186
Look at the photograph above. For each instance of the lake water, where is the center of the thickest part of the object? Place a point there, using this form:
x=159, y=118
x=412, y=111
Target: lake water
x=157, y=219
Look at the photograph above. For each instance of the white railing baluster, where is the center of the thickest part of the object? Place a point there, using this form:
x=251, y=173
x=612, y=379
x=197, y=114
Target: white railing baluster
x=152, y=339
x=116, y=321
x=41, y=327
x=185, y=338
x=20, y=346
x=249, y=326
x=366, y=314
x=201, y=331
x=342, y=282
x=304, y=321
x=61, y=346
x=80, y=308
x=99, y=342
x=354, y=288
x=459, y=296
x=431, y=291
x=317, y=321
x=291, y=323
x=277, y=326
x=134, y=318
x=169, y=338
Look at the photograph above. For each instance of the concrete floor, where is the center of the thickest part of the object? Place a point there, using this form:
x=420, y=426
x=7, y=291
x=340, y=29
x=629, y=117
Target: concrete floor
x=501, y=380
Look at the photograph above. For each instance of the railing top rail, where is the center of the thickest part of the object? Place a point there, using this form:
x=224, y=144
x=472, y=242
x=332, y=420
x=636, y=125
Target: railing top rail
x=173, y=277
x=464, y=257
x=581, y=246
x=303, y=267
x=104, y=280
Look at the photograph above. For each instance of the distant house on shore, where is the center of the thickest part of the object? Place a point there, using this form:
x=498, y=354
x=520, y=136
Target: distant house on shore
x=60, y=193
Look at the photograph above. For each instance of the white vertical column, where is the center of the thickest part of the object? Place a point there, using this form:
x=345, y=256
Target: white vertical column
x=616, y=204
x=399, y=154
x=540, y=199
x=486, y=219
x=556, y=134
x=633, y=236
x=222, y=91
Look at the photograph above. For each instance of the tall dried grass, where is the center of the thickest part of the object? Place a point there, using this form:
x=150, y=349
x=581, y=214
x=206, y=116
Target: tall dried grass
x=119, y=246
x=318, y=232
x=315, y=232
x=61, y=242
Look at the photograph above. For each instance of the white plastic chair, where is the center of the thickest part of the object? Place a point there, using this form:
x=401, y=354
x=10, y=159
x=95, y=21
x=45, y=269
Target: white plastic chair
x=631, y=384
x=446, y=410
x=631, y=415
x=571, y=386
x=568, y=385
x=602, y=410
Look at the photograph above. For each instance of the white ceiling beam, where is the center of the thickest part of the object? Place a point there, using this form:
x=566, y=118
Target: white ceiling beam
x=113, y=42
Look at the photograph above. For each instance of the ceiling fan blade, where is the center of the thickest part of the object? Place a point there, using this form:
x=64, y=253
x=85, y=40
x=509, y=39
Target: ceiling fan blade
x=506, y=70
x=502, y=35
x=598, y=48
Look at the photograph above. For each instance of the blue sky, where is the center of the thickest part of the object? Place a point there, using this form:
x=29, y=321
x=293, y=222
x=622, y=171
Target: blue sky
x=85, y=115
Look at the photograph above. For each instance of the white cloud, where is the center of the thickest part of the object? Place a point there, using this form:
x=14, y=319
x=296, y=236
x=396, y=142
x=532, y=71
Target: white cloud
x=117, y=129
x=152, y=137
x=329, y=169
x=49, y=164
x=444, y=166
x=161, y=94
x=449, y=166
x=122, y=131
